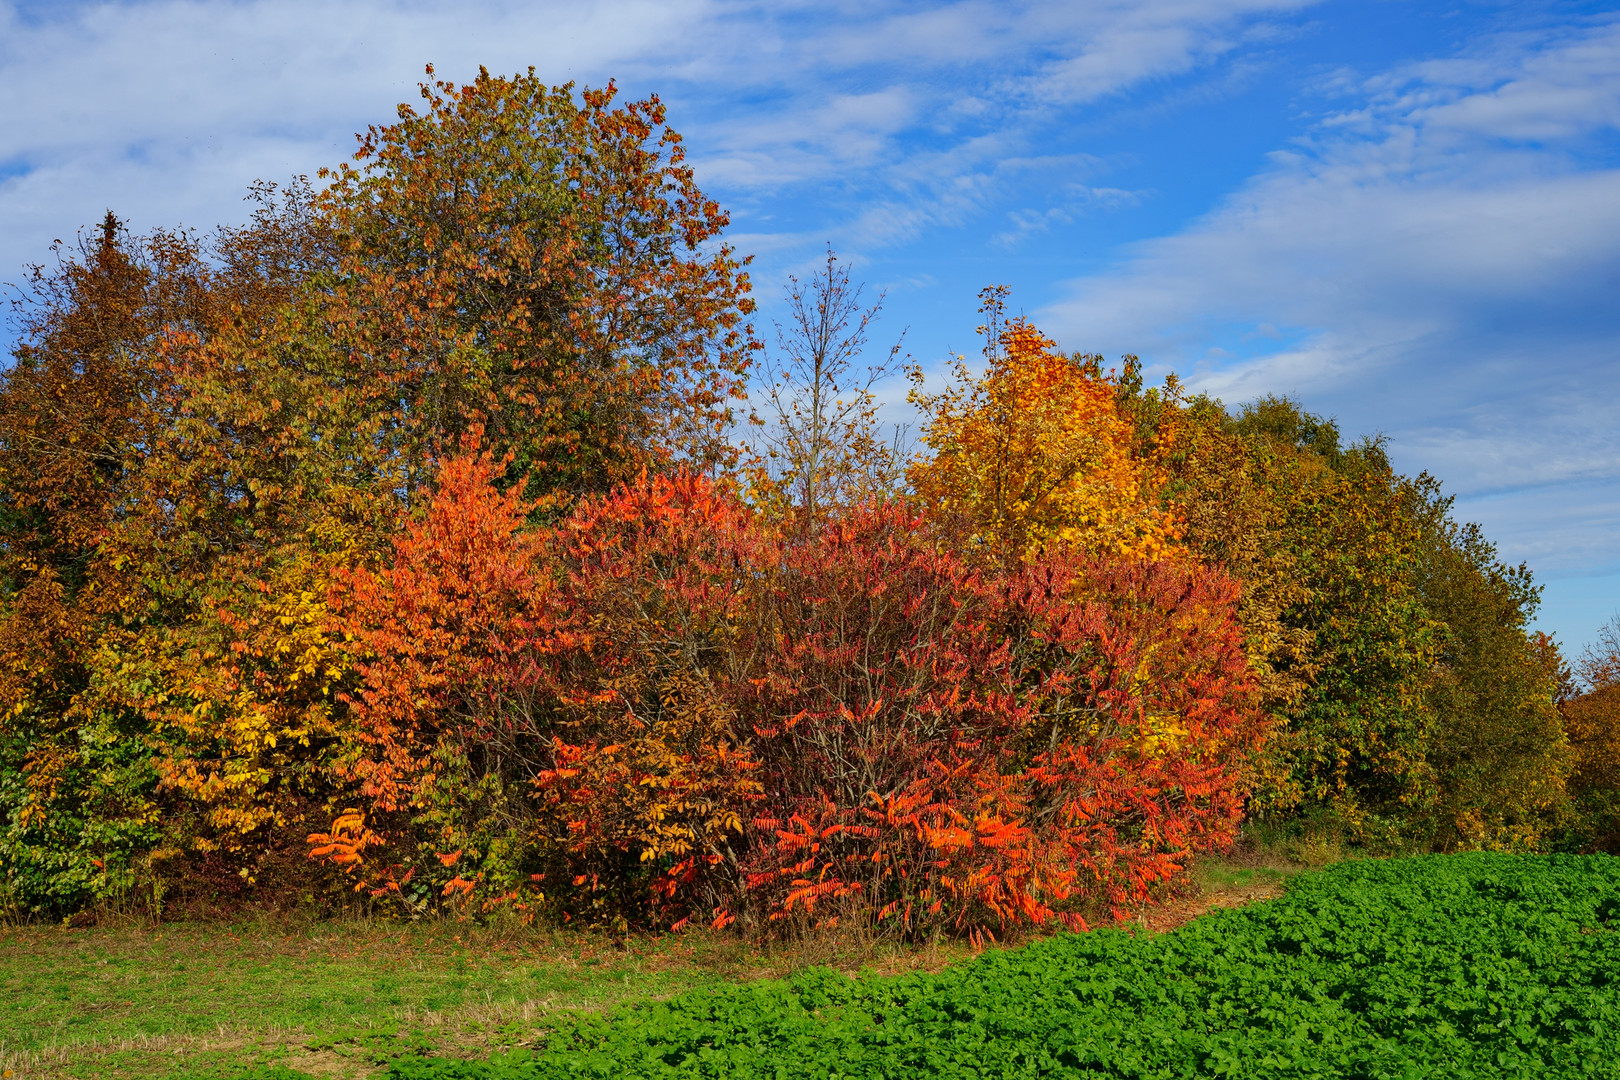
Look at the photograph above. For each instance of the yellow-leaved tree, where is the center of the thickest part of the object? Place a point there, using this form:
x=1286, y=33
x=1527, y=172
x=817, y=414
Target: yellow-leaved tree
x=1037, y=451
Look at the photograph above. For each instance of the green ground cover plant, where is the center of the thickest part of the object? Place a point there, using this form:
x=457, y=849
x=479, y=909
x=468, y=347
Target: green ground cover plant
x=1472, y=965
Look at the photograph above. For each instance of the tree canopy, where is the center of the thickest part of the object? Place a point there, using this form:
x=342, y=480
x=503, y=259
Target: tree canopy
x=401, y=543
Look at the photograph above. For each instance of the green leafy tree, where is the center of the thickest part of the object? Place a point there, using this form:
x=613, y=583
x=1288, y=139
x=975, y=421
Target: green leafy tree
x=1321, y=537
x=1496, y=742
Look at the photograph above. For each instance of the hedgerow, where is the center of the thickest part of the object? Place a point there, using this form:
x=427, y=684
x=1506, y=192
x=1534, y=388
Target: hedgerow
x=1475, y=965
x=407, y=527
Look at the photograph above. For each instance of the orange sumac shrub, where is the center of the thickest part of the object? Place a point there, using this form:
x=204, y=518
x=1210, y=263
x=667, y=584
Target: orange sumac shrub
x=961, y=747
x=554, y=705
x=1149, y=715
x=439, y=632
x=660, y=708
x=651, y=776
x=442, y=639
x=887, y=725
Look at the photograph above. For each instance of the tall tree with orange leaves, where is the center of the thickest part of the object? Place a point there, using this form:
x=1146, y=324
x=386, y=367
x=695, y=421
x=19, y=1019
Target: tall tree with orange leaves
x=545, y=267
x=512, y=259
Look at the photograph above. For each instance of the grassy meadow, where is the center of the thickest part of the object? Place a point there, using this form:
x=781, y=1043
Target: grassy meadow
x=328, y=998
x=1462, y=966
x=342, y=998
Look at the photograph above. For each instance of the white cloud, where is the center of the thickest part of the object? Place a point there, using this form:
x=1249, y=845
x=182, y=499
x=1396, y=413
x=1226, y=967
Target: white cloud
x=1440, y=281
x=166, y=110
x=1439, y=264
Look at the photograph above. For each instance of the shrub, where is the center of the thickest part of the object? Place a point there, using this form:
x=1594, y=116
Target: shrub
x=661, y=708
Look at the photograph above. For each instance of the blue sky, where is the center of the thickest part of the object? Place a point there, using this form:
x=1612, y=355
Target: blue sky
x=1404, y=214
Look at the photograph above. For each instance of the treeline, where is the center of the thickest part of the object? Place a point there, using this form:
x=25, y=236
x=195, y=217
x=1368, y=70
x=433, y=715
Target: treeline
x=402, y=544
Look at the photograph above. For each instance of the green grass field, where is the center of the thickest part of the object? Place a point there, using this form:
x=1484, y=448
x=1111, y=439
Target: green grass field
x=337, y=999
x=332, y=999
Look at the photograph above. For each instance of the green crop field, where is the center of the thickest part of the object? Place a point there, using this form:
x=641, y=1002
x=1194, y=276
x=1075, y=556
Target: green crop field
x=1441, y=966
x=1459, y=966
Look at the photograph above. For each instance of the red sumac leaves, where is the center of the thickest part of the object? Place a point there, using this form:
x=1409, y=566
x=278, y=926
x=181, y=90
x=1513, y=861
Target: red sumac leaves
x=690, y=713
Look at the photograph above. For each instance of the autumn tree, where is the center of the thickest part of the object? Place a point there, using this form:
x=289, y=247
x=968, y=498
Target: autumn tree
x=509, y=262
x=820, y=437
x=1035, y=451
x=1323, y=537
x=234, y=521
x=77, y=414
x=1495, y=743
x=542, y=266
x=1413, y=706
x=445, y=637
x=1226, y=489
x=1591, y=714
x=560, y=708
x=661, y=708
x=398, y=526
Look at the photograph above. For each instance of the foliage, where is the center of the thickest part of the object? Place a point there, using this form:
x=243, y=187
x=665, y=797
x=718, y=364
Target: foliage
x=1591, y=715
x=465, y=592
x=1416, y=707
x=1496, y=744
x=545, y=701
x=1453, y=966
x=1326, y=542
x=1231, y=494
x=961, y=746
x=76, y=413
x=1409, y=703
x=885, y=719
x=663, y=706
x=234, y=521
x=1363, y=726
x=653, y=762
x=202, y=435
x=400, y=525
x=1036, y=451
x=1152, y=713
x=539, y=266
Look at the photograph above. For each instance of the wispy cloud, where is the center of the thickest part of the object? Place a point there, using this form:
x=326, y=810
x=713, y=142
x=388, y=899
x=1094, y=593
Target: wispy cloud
x=1444, y=255
x=903, y=112
x=1073, y=201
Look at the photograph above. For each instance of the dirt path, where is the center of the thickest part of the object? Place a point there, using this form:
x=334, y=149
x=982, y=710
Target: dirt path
x=1180, y=912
